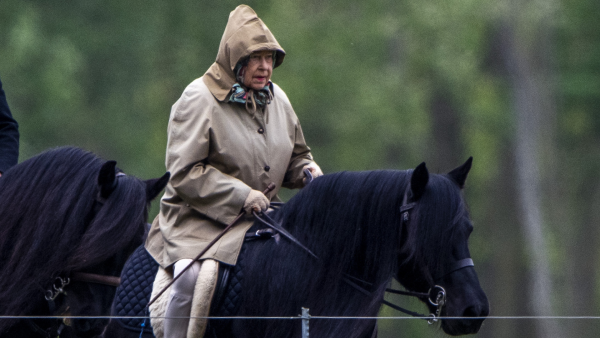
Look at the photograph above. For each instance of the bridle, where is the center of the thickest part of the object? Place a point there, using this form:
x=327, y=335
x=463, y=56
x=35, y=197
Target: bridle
x=436, y=294
x=57, y=288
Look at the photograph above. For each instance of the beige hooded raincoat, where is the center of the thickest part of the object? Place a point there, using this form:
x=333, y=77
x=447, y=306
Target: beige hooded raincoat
x=217, y=151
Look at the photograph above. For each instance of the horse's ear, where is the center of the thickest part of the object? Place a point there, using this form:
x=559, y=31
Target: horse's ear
x=107, y=178
x=156, y=185
x=459, y=175
x=418, y=181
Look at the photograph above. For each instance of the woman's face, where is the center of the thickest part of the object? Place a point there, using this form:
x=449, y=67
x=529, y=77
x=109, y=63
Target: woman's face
x=259, y=69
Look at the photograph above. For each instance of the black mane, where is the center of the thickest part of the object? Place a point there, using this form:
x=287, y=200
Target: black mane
x=352, y=221
x=46, y=225
x=340, y=216
x=343, y=214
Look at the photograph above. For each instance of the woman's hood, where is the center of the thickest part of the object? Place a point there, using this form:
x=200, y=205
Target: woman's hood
x=245, y=33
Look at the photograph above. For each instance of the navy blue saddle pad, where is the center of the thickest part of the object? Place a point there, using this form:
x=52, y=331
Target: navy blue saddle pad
x=138, y=275
x=133, y=294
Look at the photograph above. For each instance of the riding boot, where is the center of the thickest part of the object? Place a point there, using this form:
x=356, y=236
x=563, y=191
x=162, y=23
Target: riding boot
x=177, y=315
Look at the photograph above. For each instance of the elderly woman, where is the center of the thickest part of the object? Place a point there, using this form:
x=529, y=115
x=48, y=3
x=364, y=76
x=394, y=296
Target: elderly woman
x=230, y=134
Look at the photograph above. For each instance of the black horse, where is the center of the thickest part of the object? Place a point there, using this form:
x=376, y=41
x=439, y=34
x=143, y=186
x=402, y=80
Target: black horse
x=68, y=223
x=365, y=228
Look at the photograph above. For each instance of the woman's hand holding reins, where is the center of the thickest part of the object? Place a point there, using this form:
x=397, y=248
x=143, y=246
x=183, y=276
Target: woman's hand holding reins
x=314, y=169
x=256, y=201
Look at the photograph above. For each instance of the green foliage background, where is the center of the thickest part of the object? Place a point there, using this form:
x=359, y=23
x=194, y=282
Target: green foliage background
x=376, y=84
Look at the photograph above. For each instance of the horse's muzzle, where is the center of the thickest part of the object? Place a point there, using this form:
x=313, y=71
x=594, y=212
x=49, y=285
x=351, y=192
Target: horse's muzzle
x=470, y=323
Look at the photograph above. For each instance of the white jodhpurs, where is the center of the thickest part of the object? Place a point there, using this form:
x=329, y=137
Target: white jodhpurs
x=179, y=307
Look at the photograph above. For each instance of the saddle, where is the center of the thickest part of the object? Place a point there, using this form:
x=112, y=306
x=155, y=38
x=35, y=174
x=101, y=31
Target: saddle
x=137, y=278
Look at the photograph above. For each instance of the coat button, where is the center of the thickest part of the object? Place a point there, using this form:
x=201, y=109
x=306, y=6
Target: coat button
x=267, y=168
x=261, y=131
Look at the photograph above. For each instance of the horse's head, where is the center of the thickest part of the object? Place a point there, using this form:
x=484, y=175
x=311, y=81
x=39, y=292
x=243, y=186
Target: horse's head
x=117, y=228
x=435, y=256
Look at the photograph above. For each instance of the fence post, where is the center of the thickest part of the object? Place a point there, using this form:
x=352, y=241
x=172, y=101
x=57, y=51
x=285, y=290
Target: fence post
x=305, y=319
